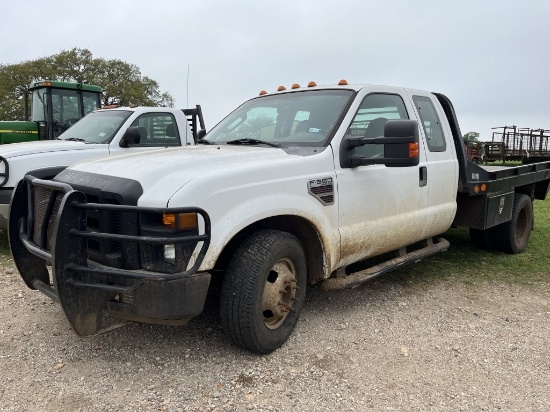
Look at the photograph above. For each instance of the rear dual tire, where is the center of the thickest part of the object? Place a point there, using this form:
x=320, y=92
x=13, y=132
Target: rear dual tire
x=512, y=236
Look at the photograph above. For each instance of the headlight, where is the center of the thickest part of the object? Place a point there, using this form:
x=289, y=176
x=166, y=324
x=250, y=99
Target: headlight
x=170, y=254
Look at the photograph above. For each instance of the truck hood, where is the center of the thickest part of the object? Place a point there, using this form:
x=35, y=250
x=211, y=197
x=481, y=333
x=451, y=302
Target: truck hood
x=166, y=171
x=44, y=146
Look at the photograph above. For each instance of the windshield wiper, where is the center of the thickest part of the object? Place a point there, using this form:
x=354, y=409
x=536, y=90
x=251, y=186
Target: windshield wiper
x=204, y=141
x=253, y=141
x=75, y=139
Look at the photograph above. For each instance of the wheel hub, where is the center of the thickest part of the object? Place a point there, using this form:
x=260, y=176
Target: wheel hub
x=279, y=293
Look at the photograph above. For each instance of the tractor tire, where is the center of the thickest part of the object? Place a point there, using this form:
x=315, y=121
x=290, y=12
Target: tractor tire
x=513, y=236
x=263, y=291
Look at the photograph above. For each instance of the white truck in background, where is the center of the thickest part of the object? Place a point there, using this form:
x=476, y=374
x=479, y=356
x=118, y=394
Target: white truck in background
x=101, y=133
x=318, y=184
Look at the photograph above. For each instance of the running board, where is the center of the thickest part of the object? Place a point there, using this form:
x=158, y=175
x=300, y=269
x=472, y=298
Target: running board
x=355, y=279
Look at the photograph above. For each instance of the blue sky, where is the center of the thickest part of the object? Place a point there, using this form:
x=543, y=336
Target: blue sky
x=489, y=57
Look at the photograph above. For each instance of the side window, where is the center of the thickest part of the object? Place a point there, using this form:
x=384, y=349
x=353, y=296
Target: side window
x=89, y=101
x=431, y=124
x=375, y=110
x=158, y=129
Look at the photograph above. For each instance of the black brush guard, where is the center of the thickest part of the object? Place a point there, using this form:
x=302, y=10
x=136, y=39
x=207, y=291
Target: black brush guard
x=55, y=231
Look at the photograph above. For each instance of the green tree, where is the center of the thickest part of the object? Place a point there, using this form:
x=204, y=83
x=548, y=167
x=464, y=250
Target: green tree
x=470, y=137
x=122, y=82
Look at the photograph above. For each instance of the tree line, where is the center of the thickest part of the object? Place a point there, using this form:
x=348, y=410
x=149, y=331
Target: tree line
x=122, y=82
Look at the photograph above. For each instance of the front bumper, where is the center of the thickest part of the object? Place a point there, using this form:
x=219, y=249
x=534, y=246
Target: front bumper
x=53, y=228
x=5, y=198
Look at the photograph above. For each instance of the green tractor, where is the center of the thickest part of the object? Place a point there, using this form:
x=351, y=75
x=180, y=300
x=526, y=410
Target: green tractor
x=56, y=106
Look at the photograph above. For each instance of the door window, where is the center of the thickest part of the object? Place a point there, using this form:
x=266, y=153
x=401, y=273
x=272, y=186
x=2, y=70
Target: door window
x=90, y=102
x=375, y=110
x=431, y=124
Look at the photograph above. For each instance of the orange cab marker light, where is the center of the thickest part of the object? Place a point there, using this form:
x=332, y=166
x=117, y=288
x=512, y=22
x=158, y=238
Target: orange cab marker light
x=343, y=82
x=483, y=187
x=413, y=150
x=262, y=92
x=476, y=189
x=295, y=86
x=281, y=88
x=311, y=84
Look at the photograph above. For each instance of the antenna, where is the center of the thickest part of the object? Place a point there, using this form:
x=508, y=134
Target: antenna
x=187, y=104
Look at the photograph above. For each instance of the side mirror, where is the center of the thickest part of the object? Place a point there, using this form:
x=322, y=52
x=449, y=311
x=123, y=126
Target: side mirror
x=200, y=134
x=401, y=146
x=131, y=136
x=400, y=142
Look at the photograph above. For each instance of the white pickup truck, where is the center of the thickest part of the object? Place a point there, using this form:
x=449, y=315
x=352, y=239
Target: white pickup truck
x=101, y=133
x=301, y=185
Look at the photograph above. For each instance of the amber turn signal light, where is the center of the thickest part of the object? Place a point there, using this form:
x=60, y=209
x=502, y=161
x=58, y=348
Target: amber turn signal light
x=181, y=221
x=413, y=150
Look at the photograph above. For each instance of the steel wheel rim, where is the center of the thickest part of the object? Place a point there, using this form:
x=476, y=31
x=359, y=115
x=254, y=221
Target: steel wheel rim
x=279, y=293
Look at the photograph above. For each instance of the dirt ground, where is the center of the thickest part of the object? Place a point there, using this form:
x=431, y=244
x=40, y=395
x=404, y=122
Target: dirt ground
x=390, y=345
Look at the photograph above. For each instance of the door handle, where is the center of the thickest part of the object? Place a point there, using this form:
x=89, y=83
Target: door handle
x=423, y=176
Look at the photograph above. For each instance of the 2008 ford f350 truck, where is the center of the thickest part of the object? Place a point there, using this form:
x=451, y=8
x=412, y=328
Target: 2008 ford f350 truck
x=293, y=186
x=101, y=133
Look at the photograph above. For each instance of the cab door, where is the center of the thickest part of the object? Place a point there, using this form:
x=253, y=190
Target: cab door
x=380, y=208
x=157, y=129
x=442, y=163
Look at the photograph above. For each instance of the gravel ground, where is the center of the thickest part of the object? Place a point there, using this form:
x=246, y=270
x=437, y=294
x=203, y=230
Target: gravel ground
x=390, y=345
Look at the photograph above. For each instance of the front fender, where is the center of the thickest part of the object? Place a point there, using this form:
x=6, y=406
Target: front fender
x=229, y=219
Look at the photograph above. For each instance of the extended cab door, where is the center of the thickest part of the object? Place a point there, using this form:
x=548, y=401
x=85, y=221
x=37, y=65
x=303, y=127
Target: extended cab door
x=157, y=129
x=442, y=163
x=380, y=208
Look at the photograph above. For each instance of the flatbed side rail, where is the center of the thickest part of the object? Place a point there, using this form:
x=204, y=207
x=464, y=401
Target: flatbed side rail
x=482, y=181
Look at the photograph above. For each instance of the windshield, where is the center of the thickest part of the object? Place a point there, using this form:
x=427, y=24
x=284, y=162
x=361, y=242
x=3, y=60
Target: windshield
x=291, y=119
x=97, y=127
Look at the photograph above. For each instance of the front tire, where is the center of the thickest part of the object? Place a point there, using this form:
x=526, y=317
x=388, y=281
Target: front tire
x=263, y=291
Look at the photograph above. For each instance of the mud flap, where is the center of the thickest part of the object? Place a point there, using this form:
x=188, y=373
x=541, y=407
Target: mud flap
x=84, y=307
x=30, y=266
